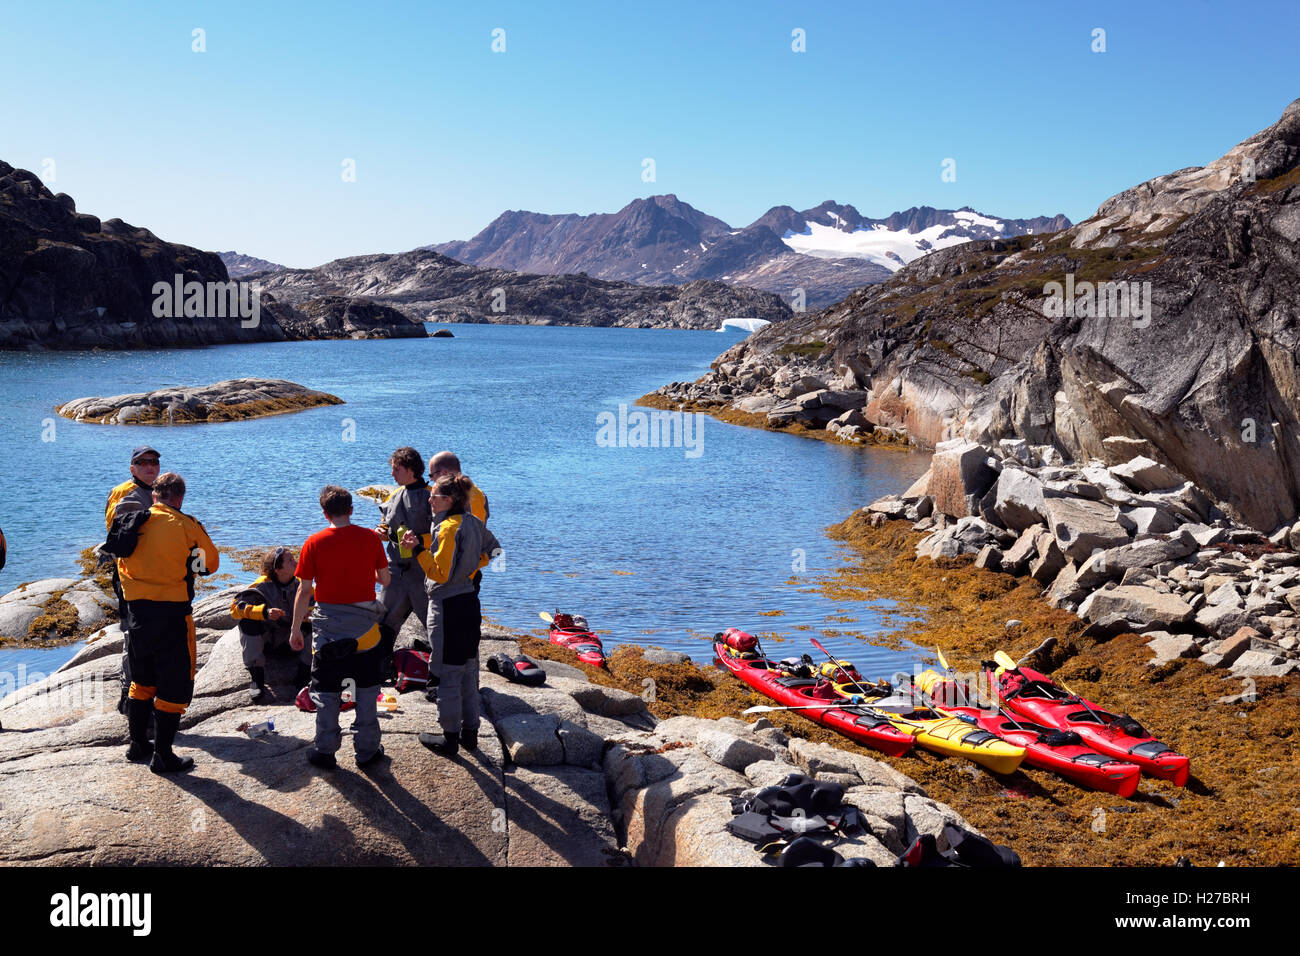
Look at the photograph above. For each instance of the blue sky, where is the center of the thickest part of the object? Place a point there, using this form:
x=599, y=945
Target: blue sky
x=241, y=147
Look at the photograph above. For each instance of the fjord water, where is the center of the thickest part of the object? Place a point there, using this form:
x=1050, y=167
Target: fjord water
x=656, y=546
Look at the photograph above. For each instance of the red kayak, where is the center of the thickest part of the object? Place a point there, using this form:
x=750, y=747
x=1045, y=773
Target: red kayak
x=569, y=631
x=1040, y=699
x=855, y=722
x=1061, y=752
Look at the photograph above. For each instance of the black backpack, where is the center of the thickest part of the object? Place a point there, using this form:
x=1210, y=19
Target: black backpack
x=124, y=532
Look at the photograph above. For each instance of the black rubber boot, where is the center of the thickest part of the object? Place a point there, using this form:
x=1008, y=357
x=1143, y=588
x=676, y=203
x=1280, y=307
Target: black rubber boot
x=324, y=761
x=258, y=685
x=446, y=745
x=469, y=738
x=164, y=758
x=137, y=722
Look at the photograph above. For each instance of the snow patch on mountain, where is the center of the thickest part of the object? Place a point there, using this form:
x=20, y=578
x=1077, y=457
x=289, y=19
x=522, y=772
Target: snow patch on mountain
x=885, y=247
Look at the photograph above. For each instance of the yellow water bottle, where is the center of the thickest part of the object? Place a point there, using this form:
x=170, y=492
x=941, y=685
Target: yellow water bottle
x=402, y=550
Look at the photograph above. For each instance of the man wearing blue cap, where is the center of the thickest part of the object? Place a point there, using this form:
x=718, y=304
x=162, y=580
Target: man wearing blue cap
x=133, y=495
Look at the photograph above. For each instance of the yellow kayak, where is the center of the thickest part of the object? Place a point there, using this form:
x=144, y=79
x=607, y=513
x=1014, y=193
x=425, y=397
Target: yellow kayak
x=950, y=736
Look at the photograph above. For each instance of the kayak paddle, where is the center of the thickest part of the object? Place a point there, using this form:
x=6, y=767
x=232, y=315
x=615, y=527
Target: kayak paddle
x=764, y=709
x=817, y=644
x=1001, y=710
x=1004, y=660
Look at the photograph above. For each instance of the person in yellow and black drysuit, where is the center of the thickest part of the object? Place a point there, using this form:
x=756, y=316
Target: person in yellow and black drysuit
x=463, y=546
x=265, y=615
x=445, y=464
x=133, y=495
x=158, y=581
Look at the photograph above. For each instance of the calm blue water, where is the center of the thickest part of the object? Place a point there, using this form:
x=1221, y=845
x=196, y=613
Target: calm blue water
x=653, y=546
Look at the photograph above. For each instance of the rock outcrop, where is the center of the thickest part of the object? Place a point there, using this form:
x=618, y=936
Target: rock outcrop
x=1180, y=342
x=1130, y=547
x=431, y=287
x=70, y=281
x=567, y=774
x=227, y=401
x=239, y=265
x=56, y=608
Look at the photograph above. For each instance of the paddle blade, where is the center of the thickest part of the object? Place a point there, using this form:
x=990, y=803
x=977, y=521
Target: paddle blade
x=760, y=709
x=1004, y=660
x=818, y=644
x=942, y=660
x=546, y=617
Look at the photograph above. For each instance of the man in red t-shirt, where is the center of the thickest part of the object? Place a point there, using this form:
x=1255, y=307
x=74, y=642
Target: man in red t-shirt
x=344, y=561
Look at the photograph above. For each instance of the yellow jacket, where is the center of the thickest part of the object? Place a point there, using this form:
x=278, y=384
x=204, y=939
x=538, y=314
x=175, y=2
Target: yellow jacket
x=461, y=547
x=171, y=550
x=258, y=612
x=132, y=490
x=478, y=505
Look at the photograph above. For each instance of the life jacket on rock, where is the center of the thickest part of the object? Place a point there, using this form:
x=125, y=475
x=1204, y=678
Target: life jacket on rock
x=518, y=670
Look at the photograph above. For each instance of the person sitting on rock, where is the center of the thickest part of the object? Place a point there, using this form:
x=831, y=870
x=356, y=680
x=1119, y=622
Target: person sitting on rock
x=407, y=508
x=264, y=618
x=463, y=546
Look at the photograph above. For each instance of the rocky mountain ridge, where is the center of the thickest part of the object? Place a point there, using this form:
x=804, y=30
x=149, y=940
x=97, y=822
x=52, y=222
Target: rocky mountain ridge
x=827, y=251
x=239, y=265
x=429, y=286
x=1180, y=342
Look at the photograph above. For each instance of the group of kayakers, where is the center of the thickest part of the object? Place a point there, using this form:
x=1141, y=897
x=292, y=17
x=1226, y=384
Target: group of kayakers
x=319, y=606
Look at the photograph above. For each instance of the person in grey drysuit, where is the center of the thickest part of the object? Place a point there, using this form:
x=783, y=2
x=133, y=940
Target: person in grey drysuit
x=409, y=508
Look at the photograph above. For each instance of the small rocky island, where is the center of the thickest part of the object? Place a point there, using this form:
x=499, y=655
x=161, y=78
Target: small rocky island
x=227, y=401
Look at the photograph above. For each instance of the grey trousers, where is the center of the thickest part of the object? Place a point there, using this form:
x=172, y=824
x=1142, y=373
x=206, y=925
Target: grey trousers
x=434, y=632
x=253, y=647
x=365, y=725
x=403, y=595
x=458, y=699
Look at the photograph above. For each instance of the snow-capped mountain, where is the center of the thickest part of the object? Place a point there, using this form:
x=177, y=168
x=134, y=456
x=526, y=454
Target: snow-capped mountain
x=826, y=251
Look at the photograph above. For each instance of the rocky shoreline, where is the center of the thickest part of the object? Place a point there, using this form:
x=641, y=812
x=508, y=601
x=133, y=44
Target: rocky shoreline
x=574, y=772
x=228, y=401
x=1128, y=548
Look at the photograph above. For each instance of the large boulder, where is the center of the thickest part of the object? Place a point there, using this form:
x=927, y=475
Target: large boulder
x=959, y=471
x=22, y=607
x=968, y=536
x=1050, y=560
x=1019, y=500
x=1146, y=608
x=1143, y=474
x=1081, y=527
x=1224, y=620
x=1018, y=556
x=1147, y=553
x=213, y=610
